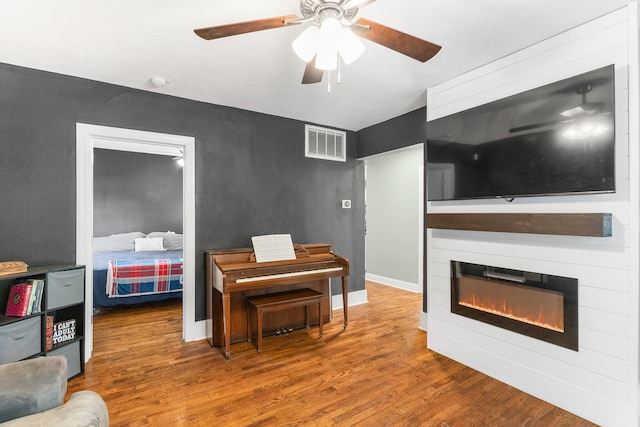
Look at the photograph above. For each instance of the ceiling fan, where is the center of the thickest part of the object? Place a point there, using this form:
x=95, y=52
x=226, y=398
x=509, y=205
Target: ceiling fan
x=584, y=109
x=332, y=35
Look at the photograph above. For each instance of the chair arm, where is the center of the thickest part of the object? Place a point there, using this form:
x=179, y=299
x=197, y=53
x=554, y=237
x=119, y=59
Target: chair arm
x=31, y=386
x=83, y=409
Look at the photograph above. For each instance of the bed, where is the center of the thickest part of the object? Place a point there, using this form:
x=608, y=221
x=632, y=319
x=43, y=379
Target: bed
x=134, y=268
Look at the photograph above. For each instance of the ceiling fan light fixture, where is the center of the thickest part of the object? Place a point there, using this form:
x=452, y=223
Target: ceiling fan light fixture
x=327, y=58
x=351, y=47
x=306, y=44
x=330, y=28
x=329, y=44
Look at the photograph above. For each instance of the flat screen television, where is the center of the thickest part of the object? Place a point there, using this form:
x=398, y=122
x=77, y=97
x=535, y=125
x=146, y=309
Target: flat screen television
x=557, y=139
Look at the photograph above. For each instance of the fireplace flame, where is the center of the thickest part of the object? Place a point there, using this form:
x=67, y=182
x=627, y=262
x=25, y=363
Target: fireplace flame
x=506, y=312
x=539, y=307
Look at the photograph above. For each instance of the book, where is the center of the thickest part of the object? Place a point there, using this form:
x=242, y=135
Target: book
x=49, y=333
x=32, y=297
x=38, y=287
x=64, y=331
x=39, y=296
x=18, y=302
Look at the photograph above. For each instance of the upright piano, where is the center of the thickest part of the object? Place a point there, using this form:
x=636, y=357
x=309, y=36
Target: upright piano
x=234, y=274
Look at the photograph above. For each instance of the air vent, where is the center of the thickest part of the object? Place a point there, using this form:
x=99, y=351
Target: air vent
x=327, y=144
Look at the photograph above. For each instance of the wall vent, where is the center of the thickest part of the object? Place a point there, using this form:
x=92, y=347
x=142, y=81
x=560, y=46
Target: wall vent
x=324, y=143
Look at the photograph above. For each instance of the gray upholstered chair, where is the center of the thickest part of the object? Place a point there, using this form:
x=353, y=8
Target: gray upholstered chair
x=32, y=394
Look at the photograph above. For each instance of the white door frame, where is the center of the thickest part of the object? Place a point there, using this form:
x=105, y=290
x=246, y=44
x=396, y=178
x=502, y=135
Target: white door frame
x=89, y=136
x=421, y=226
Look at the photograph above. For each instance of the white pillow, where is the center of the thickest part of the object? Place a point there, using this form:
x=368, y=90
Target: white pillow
x=171, y=240
x=149, y=244
x=116, y=242
x=160, y=233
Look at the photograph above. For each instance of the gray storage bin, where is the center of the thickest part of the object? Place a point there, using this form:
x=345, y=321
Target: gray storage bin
x=65, y=288
x=20, y=340
x=72, y=353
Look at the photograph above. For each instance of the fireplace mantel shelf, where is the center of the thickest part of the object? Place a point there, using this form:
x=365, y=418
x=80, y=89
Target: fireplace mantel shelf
x=566, y=224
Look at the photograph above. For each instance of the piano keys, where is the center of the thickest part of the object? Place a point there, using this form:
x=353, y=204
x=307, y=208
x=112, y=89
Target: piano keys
x=233, y=274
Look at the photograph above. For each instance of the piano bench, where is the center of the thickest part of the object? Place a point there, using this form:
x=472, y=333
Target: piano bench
x=267, y=303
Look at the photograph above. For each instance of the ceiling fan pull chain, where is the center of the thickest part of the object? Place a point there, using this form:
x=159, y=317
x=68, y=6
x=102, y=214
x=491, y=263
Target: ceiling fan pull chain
x=329, y=81
x=339, y=70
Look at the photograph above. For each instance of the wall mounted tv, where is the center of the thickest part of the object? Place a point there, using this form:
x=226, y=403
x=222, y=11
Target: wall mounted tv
x=557, y=139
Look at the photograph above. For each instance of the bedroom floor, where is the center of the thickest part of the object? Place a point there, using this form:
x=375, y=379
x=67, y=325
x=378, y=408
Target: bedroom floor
x=377, y=372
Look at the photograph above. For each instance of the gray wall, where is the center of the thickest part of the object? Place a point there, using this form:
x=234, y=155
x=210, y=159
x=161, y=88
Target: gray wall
x=135, y=192
x=399, y=132
x=251, y=174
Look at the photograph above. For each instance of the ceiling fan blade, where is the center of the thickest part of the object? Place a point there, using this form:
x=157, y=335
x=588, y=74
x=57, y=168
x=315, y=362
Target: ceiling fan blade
x=536, y=126
x=311, y=73
x=220, y=31
x=406, y=44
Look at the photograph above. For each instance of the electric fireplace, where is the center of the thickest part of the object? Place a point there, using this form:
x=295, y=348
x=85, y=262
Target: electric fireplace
x=538, y=305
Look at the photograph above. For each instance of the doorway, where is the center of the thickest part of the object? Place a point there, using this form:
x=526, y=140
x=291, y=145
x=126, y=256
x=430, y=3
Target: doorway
x=89, y=137
x=394, y=218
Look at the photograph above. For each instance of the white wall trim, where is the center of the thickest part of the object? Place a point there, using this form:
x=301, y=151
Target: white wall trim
x=421, y=226
x=86, y=137
x=400, y=284
x=195, y=332
x=634, y=193
x=424, y=321
x=355, y=298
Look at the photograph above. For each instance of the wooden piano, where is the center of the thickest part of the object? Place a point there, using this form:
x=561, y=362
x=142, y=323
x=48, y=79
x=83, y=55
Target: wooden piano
x=234, y=274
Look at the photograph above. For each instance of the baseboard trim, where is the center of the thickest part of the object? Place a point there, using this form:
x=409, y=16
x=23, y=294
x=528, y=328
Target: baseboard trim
x=400, y=284
x=424, y=321
x=355, y=298
x=198, y=332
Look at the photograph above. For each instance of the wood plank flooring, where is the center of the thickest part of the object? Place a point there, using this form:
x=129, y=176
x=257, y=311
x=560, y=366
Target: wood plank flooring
x=376, y=373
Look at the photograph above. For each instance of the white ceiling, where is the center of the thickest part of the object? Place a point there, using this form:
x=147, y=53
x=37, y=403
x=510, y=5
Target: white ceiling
x=128, y=42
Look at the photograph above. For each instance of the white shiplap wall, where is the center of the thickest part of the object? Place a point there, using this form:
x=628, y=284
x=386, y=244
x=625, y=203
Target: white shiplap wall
x=600, y=381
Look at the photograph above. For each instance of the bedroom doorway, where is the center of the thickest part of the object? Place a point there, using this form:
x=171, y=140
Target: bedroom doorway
x=89, y=137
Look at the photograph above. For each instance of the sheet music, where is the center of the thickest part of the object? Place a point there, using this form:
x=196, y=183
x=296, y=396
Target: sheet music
x=273, y=247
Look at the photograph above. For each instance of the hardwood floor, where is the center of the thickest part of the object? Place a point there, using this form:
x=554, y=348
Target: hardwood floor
x=377, y=372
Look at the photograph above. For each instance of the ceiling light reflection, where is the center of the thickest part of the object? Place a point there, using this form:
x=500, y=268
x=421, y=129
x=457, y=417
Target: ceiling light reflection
x=587, y=128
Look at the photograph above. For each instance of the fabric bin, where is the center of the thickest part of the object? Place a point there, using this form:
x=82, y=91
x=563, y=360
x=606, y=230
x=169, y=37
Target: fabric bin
x=20, y=340
x=72, y=353
x=65, y=288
